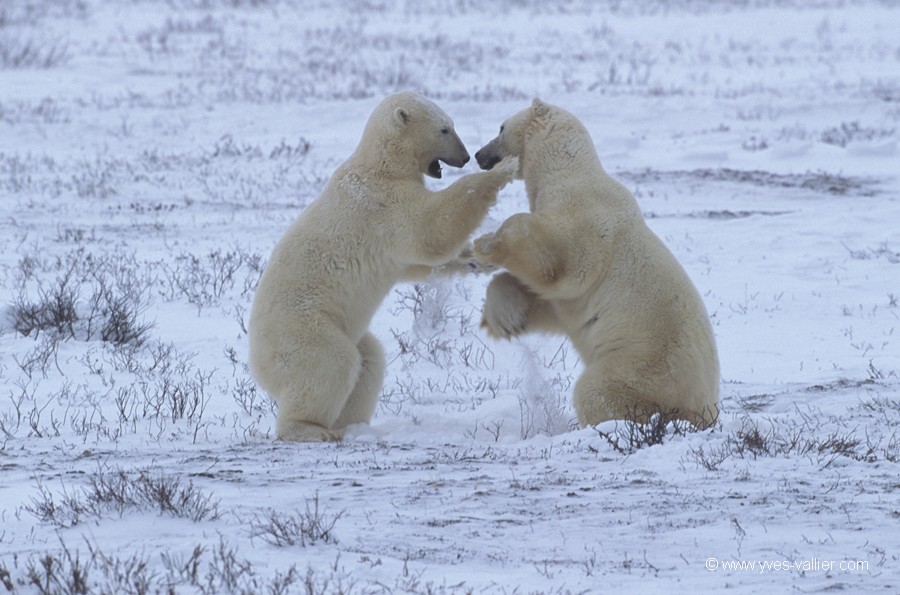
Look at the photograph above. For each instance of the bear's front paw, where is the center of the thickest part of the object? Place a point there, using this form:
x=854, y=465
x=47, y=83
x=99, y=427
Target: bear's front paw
x=481, y=268
x=465, y=263
x=487, y=249
x=466, y=260
x=506, y=169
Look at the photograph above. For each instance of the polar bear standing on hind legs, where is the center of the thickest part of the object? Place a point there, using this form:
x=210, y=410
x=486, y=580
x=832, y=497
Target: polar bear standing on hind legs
x=584, y=263
x=374, y=224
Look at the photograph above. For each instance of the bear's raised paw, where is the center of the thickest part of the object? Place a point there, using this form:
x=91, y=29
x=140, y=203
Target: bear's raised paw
x=507, y=168
x=505, y=312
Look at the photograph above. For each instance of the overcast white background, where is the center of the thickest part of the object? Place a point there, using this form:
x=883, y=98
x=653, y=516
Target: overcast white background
x=152, y=153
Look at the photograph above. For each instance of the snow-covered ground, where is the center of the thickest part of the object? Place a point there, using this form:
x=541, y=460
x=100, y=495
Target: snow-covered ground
x=153, y=151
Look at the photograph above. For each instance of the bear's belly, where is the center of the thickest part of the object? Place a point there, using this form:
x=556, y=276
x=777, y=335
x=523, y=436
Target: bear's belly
x=604, y=322
x=355, y=296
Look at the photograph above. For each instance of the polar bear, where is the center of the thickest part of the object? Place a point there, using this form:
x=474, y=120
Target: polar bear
x=584, y=263
x=374, y=224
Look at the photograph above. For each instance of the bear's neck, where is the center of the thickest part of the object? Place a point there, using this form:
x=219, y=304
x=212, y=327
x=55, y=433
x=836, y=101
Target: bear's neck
x=388, y=161
x=578, y=180
x=545, y=182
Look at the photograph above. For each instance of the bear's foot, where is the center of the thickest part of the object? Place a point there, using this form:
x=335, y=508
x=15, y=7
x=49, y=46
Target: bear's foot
x=308, y=432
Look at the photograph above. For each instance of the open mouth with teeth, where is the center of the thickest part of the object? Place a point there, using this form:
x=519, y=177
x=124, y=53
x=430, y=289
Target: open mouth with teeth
x=434, y=168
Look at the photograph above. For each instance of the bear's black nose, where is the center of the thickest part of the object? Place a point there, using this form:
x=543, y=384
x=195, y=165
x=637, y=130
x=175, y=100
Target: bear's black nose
x=486, y=161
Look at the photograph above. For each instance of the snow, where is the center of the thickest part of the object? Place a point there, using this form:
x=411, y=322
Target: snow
x=153, y=152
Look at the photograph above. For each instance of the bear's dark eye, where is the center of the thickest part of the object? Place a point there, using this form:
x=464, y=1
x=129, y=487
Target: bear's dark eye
x=445, y=131
x=501, y=129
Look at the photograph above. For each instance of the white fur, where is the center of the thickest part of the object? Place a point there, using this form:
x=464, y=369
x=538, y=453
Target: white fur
x=584, y=263
x=374, y=224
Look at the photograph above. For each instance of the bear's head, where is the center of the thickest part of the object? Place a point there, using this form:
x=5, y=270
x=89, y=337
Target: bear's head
x=419, y=130
x=514, y=135
x=552, y=147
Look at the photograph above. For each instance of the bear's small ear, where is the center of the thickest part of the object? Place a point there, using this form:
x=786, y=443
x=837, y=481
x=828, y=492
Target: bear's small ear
x=401, y=116
x=538, y=107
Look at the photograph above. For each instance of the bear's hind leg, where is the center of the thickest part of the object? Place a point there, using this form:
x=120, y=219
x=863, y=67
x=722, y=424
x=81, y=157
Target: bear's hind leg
x=591, y=399
x=305, y=432
x=324, y=372
x=598, y=397
x=360, y=406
